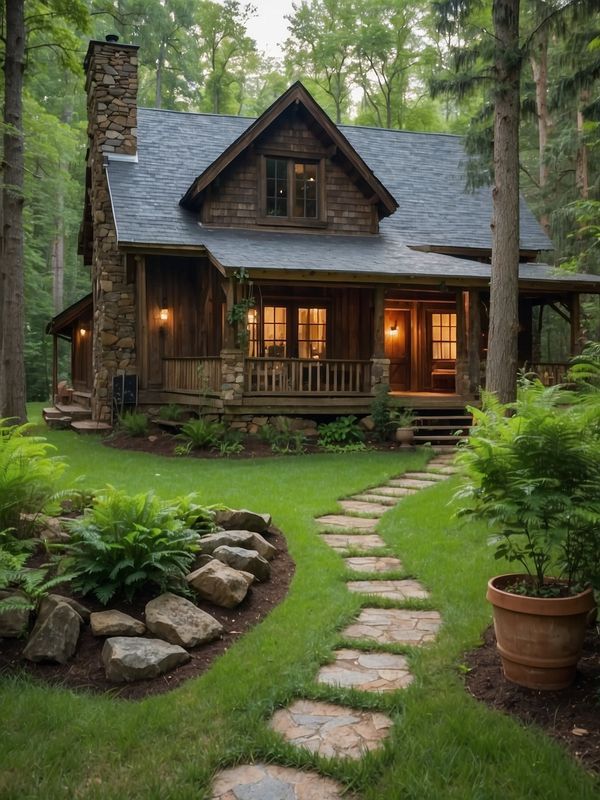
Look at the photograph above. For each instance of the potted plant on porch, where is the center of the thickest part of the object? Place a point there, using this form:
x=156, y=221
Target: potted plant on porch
x=533, y=473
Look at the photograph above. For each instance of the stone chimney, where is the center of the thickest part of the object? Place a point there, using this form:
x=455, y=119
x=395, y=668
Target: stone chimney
x=111, y=70
x=111, y=84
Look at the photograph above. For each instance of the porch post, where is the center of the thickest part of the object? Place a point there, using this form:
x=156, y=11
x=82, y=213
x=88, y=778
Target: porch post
x=380, y=365
x=473, y=343
x=462, y=379
x=229, y=332
x=55, y=367
x=577, y=337
x=232, y=358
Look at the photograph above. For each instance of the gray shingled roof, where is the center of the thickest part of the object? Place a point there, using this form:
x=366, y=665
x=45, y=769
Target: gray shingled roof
x=424, y=172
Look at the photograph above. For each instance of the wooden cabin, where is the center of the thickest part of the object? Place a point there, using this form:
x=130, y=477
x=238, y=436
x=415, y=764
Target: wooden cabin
x=289, y=265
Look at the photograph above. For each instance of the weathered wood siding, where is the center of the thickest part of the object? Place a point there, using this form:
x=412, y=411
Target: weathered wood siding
x=190, y=288
x=233, y=199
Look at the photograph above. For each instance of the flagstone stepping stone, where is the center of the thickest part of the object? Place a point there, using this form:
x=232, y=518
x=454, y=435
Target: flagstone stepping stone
x=362, y=507
x=331, y=730
x=373, y=563
x=367, y=672
x=394, y=626
x=349, y=523
x=272, y=782
x=375, y=498
x=425, y=476
x=392, y=590
x=362, y=542
x=448, y=470
x=392, y=491
x=411, y=483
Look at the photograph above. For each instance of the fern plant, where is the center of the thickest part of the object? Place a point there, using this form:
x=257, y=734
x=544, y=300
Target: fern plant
x=341, y=433
x=123, y=543
x=282, y=437
x=28, y=473
x=134, y=423
x=201, y=434
x=533, y=472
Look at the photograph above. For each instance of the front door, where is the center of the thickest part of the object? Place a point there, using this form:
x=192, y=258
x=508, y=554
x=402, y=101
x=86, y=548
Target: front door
x=397, y=347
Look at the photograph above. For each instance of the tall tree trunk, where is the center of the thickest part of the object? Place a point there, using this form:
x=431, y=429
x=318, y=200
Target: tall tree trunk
x=501, y=371
x=57, y=253
x=581, y=164
x=539, y=69
x=12, y=357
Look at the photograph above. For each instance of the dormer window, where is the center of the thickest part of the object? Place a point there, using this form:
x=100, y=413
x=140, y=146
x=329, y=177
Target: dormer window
x=292, y=191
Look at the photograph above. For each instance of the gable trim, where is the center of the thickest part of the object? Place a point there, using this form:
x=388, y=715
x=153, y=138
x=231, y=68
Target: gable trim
x=295, y=94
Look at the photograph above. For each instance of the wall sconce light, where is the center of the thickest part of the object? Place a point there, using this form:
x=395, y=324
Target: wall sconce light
x=82, y=331
x=394, y=329
x=163, y=315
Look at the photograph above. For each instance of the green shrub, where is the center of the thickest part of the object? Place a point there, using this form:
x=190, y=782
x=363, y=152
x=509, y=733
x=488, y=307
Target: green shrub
x=282, y=438
x=231, y=443
x=193, y=514
x=134, y=423
x=171, y=412
x=340, y=434
x=533, y=472
x=126, y=542
x=28, y=473
x=388, y=415
x=201, y=434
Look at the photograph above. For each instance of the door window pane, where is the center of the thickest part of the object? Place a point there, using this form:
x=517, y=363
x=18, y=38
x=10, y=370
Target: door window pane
x=443, y=337
x=275, y=331
x=312, y=333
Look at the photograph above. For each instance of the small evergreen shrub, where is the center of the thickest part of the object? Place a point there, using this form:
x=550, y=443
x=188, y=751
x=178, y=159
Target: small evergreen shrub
x=124, y=543
x=387, y=415
x=134, y=423
x=341, y=435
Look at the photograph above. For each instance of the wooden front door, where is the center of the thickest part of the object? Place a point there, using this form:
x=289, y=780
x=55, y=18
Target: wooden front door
x=397, y=347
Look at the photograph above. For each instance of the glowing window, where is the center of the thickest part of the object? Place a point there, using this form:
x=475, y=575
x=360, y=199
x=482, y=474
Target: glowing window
x=443, y=337
x=312, y=332
x=275, y=331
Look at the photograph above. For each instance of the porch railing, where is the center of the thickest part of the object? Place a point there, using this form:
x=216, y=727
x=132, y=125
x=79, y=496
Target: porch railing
x=306, y=376
x=549, y=372
x=192, y=374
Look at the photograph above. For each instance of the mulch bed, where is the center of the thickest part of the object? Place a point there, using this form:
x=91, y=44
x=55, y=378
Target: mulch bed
x=162, y=443
x=85, y=670
x=571, y=716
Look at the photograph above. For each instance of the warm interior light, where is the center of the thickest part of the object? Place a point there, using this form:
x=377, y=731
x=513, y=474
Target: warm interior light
x=394, y=329
x=164, y=314
x=82, y=331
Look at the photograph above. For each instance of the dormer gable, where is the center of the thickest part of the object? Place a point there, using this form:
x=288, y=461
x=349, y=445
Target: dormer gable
x=292, y=167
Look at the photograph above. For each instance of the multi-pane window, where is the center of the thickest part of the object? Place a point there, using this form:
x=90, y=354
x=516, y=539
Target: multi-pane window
x=312, y=332
x=277, y=187
x=292, y=188
x=305, y=195
x=275, y=331
x=443, y=337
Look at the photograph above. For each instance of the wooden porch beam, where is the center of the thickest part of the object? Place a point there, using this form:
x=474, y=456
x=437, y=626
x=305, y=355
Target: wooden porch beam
x=379, y=323
x=474, y=327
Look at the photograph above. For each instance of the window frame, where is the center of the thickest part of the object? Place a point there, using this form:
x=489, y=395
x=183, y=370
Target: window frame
x=320, y=221
x=292, y=327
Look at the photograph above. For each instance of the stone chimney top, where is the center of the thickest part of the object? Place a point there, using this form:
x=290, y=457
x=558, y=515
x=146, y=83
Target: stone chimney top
x=111, y=85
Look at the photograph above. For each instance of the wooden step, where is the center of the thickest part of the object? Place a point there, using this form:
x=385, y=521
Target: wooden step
x=82, y=398
x=52, y=413
x=74, y=410
x=90, y=426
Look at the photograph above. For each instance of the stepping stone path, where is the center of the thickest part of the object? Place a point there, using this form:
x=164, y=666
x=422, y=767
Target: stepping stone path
x=333, y=730
x=394, y=626
x=368, y=672
x=391, y=590
x=373, y=563
x=271, y=782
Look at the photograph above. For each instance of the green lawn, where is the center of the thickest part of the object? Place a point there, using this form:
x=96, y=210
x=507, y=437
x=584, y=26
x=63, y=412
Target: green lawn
x=58, y=744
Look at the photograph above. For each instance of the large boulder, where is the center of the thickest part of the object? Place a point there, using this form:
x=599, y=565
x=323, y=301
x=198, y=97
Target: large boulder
x=14, y=622
x=250, y=540
x=128, y=659
x=219, y=584
x=115, y=623
x=54, y=638
x=246, y=560
x=50, y=602
x=180, y=622
x=242, y=520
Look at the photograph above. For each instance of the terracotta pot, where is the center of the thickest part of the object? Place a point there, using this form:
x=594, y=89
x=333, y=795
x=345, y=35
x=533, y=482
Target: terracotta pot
x=405, y=436
x=539, y=639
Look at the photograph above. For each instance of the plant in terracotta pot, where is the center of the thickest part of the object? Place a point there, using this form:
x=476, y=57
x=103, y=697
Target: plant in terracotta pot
x=533, y=473
x=401, y=422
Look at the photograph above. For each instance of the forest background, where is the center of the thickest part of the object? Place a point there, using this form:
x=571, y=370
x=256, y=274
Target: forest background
x=367, y=62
